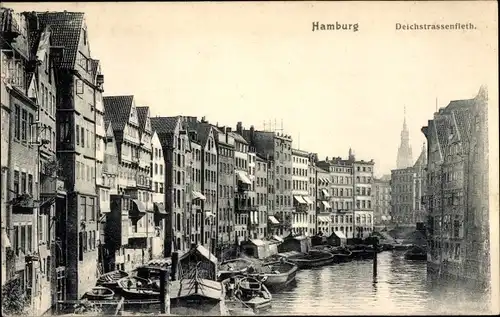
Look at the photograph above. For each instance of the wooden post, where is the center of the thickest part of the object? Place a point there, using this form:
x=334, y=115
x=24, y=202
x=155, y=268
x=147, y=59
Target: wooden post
x=164, y=292
x=375, y=248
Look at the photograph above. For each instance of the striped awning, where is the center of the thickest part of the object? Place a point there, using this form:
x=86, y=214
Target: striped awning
x=325, y=192
x=326, y=204
x=273, y=220
x=323, y=219
x=300, y=200
x=242, y=177
x=198, y=195
x=308, y=200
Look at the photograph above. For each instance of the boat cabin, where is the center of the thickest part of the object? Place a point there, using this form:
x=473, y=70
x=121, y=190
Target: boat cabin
x=259, y=249
x=294, y=243
x=198, y=256
x=318, y=240
x=337, y=238
x=197, y=297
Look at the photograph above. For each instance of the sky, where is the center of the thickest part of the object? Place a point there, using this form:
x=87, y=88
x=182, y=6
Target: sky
x=261, y=62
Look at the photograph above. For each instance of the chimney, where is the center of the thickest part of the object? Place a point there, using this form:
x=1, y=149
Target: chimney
x=203, y=119
x=229, y=129
x=239, y=127
x=252, y=133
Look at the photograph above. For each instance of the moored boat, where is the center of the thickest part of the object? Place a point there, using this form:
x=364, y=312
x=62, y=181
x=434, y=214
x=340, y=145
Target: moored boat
x=134, y=287
x=341, y=254
x=249, y=291
x=402, y=247
x=313, y=258
x=99, y=293
x=416, y=254
x=361, y=252
x=232, y=268
x=195, y=296
x=110, y=279
x=277, y=275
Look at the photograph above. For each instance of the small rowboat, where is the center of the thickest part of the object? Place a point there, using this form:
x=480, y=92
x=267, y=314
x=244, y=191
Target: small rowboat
x=100, y=293
x=313, y=258
x=110, y=279
x=133, y=287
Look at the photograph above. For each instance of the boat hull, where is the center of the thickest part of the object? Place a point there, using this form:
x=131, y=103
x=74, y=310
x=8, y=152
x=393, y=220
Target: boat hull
x=278, y=281
x=312, y=263
x=416, y=256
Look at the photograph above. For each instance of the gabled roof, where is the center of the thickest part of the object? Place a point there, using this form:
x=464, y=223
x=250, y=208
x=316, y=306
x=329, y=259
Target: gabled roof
x=117, y=110
x=66, y=28
x=463, y=120
x=142, y=115
x=164, y=124
x=202, y=129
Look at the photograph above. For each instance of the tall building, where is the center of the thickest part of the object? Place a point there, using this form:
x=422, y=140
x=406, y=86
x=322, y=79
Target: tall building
x=78, y=82
x=404, y=151
x=209, y=167
x=132, y=134
x=227, y=180
x=253, y=221
x=174, y=139
x=304, y=205
x=363, y=206
x=381, y=198
x=261, y=195
x=158, y=188
x=341, y=172
x=278, y=148
x=323, y=202
x=312, y=190
x=407, y=190
x=457, y=196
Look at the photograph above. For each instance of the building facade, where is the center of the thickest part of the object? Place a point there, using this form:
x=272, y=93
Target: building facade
x=457, y=187
x=262, y=201
x=158, y=188
x=407, y=189
x=323, y=200
x=304, y=205
x=363, y=207
x=381, y=198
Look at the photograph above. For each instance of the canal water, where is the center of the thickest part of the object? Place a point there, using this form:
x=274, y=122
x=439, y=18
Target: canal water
x=400, y=287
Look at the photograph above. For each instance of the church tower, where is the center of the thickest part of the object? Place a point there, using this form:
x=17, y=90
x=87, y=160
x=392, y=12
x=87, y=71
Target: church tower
x=404, y=152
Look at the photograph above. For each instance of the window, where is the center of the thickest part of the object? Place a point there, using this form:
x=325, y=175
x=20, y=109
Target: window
x=24, y=125
x=80, y=246
x=47, y=99
x=82, y=135
x=30, y=184
x=17, y=120
x=16, y=182
x=83, y=206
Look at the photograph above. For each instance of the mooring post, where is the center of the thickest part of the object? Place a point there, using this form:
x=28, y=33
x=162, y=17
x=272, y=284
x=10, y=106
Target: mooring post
x=164, y=292
x=375, y=248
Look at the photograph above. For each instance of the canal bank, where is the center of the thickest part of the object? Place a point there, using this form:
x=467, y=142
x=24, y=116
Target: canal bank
x=400, y=287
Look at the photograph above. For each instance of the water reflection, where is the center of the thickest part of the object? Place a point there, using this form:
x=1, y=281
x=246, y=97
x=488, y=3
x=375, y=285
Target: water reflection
x=397, y=287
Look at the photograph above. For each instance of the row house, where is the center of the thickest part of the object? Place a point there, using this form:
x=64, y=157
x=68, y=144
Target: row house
x=362, y=187
x=407, y=188
x=194, y=190
x=242, y=203
x=342, y=194
x=134, y=197
x=313, y=193
x=457, y=191
x=226, y=147
x=277, y=148
x=253, y=215
x=381, y=198
x=157, y=171
x=176, y=147
x=273, y=225
x=303, y=204
x=29, y=165
x=206, y=138
x=78, y=81
x=261, y=194
x=323, y=197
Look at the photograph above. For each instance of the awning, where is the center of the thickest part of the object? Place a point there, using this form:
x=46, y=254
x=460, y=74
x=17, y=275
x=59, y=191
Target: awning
x=277, y=238
x=198, y=195
x=254, y=218
x=300, y=200
x=5, y=240
x=102, y=219
x=325, y=192
x=242, y=177
x=138, y=208
x=323, y=219
x=159, y=209
x=340, y=234
x=308, y=200
x=209, y=214
x=257, y=242
x=273, y=220
x=326, y=204
x=384, y=218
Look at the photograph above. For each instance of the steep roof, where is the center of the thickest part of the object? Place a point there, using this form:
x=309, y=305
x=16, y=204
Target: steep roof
x=238, y=137
x=164, y=124
x=142, y=115
x=66, y=28
x=117, y=110
x=202, y=129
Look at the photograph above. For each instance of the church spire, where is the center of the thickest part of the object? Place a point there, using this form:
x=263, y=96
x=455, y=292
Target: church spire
x=404, y=158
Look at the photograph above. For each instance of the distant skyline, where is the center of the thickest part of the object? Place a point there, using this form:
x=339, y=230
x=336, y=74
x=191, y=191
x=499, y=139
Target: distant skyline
x=255, y=62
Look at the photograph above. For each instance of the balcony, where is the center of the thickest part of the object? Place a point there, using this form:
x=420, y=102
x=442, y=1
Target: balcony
x=243, y=181
x=243, y=205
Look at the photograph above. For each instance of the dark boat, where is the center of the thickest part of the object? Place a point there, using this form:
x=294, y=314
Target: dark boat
x=277, y=275
x=195, y=296
x=313, y=258
x=402, y=247
x=110, y=279
x=99, y=293
x=232, y=268
x=416, y=254
x=361, y=252
x=133, y=287
x=341, y=254
x=250, y=292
